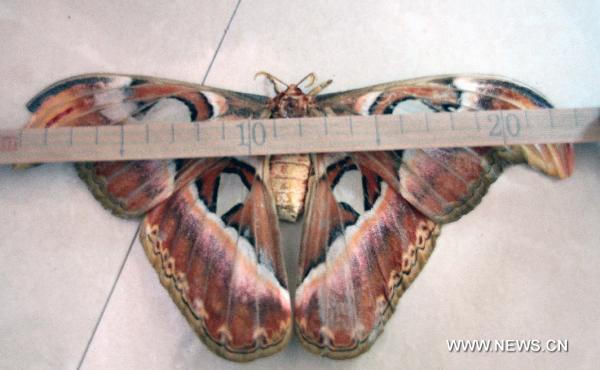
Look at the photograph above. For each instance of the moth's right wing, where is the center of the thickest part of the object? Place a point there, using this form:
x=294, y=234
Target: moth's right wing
x=457, y=93
x=131, y=188
x=362, y=245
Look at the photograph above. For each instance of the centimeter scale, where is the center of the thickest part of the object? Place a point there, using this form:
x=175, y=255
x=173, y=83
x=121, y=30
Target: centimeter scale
x=217, y=138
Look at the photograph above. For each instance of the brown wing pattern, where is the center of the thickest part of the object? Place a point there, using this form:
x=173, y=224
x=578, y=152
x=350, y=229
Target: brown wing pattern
x=221, y=263
x=362, y=246
x=211, y=231
x=129, y=189
x=444, y=184
x=357, y=260
x=456, y=93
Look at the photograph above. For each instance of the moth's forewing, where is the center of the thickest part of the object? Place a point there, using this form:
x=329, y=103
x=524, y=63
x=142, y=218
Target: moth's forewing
x=456, y=93
x=128, y=188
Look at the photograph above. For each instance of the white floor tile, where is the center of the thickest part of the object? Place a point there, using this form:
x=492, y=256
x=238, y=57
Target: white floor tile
x=545, y=44
x=60, y=253
x=46, y=42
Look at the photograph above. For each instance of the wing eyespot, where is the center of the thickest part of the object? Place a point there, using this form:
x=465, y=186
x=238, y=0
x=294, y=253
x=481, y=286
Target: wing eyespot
x=231, y=193
x=348, y=190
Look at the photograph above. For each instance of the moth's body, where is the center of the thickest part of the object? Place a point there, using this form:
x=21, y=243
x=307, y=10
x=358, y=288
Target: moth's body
x=370, y=219
x=288, y=174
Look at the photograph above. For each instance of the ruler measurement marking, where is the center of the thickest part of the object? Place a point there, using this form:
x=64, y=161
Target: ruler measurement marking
x=249, y=138
x=498, y=128
x=325, y=125
x=527, y=120
x=502, y=125
x=401, y=121
x=350, y=126
x=122, y=150
x=377, y=139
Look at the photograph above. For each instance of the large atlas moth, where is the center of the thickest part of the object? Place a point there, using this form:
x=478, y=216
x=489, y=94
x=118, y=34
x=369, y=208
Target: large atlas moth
x=210, y=226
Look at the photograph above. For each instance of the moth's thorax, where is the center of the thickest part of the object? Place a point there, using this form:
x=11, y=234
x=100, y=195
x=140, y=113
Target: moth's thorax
x=292, y=102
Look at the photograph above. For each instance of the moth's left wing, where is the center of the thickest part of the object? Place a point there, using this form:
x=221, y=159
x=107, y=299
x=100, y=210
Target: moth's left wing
x=130, y=188
x=211, y=230
x=215, y=244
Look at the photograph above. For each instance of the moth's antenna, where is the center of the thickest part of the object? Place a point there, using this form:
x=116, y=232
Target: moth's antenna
x=312, y=77
x=317, y=89
x=272, y=79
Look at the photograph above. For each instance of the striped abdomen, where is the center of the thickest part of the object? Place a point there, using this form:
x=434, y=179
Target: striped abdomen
x=289, y=179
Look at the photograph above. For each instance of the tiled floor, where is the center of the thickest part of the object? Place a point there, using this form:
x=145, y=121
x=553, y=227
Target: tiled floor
x=523, y=265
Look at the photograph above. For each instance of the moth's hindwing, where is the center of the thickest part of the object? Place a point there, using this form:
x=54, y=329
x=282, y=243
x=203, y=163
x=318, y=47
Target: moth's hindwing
x=363, y=244
x=445, y=184
x=130, y=189
x=221, y=262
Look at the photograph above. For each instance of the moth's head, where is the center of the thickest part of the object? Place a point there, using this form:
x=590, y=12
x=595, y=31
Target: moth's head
x=292, y=101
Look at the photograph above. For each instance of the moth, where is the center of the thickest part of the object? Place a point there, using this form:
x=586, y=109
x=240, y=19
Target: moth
x=210, y=225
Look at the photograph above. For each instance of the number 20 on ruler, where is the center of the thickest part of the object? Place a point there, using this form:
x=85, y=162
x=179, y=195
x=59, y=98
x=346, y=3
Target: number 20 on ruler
x=502, y=125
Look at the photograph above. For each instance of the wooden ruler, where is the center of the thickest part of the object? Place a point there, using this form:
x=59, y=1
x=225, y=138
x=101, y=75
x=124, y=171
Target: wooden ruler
x=218, y=138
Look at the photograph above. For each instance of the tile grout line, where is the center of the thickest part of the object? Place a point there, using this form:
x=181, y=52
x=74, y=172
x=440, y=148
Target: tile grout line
x=221, y=41
x=112, y=289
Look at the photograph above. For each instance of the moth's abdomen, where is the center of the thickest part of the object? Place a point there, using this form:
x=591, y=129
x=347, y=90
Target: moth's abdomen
x=288, y=180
